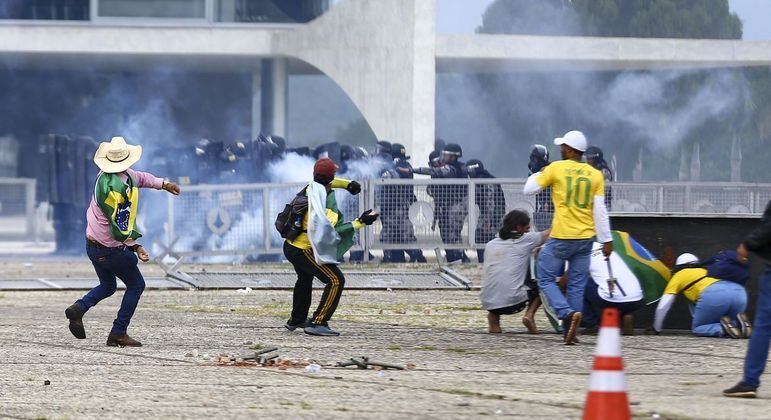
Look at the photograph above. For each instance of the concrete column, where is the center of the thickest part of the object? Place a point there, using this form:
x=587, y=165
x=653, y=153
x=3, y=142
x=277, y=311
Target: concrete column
x=256, y=103
x=274, y=93
x=382, y=54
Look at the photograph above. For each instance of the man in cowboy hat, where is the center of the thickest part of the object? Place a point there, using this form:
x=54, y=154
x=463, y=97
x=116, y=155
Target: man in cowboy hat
x=111, y=236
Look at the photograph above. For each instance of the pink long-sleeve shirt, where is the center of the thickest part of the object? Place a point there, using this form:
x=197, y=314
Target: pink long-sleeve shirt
x=98, y=227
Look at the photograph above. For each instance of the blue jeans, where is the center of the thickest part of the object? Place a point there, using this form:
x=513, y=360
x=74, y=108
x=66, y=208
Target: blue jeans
x=757, y=350
x=109, y=263
x=594, y=305
x=551, y=264
x=720, y=298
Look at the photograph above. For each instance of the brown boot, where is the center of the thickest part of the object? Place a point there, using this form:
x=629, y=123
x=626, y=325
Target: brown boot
x=493, y=323
x=627, y=325
x=122, y=340
x=75, y=315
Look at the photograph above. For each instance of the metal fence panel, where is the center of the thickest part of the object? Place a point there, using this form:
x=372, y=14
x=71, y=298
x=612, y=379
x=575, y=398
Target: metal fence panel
x=227, y=220
x=219, y=221
x=17, y=208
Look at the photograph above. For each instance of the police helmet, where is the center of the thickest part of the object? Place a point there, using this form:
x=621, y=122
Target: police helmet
x=539, y=157
x=346, y=152
x=474, y=167
x=382, y=146
x=237, y=148
x=399, y=151
x=433, y=157
x=202, y=146
x=593, y=155
x=279, y=142
x=451, y=153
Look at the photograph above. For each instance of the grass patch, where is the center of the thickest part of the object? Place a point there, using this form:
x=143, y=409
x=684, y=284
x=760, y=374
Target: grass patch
x=457, y=350
x=304, y=405
x=256, y=346
x=394, y=347
x=286, y=403
x=426, y=348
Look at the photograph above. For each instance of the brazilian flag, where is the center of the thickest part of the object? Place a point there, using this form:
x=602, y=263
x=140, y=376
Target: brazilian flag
x=652, y=274
x=118, y=200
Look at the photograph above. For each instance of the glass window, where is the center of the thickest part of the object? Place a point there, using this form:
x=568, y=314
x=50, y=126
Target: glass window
x=269, y=11
x=170, y=9
x=44, y=9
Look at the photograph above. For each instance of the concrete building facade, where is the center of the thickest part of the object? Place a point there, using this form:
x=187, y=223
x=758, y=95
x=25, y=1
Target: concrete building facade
x=384, y=54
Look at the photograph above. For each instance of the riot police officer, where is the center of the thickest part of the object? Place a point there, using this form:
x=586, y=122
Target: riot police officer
x=544, y=209
x=395, y=217
x=594, y=157
x=491, y=202
x=450, y=201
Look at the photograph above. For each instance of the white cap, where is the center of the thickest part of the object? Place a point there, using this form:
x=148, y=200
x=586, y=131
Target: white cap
x=574, y=139
x=686, y=258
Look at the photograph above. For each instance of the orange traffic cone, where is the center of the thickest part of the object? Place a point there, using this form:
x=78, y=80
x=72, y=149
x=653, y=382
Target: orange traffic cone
x=607, y=398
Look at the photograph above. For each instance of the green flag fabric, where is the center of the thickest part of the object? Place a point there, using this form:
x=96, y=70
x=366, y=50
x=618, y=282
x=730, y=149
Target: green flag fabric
x=118, y=200
x=652, y=273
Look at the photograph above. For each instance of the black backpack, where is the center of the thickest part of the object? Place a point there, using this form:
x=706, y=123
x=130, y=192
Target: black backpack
x=289, y=223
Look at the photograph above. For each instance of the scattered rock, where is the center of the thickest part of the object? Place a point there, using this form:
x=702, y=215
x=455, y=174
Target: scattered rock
x=47, y=382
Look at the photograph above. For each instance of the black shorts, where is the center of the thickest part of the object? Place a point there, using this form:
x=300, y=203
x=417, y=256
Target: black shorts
x=533, y=285
x=509, y=310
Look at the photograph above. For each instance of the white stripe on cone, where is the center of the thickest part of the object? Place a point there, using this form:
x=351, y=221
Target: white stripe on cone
x=607, y=381
x=609, y=342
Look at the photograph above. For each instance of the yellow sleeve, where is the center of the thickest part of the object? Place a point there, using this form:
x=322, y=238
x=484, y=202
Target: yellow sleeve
x=546, y=177
x=332, y=216
x=673, y=286
x=340, y=183
x=357, y=224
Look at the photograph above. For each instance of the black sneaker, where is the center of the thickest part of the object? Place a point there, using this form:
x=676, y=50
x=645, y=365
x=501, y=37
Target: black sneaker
x=292, y=327
x=741, y=391
x=744, y=324
x=75, y=315
x=729, y=328
x=570, y=325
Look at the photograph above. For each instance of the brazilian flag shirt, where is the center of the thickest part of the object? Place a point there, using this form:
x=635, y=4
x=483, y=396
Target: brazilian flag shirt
x=112, y=213
x=574, y=187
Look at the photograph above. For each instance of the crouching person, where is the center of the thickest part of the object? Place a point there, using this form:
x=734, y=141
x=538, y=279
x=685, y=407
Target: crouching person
x=507, y=258
x=612, y=285
x=316, y=251
x=717, y=305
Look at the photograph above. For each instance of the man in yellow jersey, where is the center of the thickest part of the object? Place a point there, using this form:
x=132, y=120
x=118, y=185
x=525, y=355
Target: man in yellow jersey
x=715, y=303
x=314, y=255
x=578, y=195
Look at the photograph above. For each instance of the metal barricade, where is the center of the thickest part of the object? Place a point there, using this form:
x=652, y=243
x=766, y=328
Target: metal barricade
x=17, y=209
x=209, y=221
x=221, y=221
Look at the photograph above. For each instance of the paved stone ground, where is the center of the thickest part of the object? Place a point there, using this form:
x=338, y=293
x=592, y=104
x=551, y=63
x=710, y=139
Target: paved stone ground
x=460, y=371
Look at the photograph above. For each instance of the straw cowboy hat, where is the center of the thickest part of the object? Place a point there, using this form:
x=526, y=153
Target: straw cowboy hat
x=116, y=156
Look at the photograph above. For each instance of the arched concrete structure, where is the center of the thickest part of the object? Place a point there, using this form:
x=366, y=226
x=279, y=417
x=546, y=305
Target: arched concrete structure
x=383, y=57
x=384, y=54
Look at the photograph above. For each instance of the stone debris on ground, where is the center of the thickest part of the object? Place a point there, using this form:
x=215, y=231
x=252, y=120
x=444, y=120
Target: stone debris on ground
x=462, y=371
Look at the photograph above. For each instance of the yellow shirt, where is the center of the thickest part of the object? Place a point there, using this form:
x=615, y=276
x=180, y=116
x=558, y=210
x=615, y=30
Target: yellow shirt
x=574, y=186
x=684, y=277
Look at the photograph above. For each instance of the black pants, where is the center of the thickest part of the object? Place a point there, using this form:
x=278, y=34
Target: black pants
x=307, y=268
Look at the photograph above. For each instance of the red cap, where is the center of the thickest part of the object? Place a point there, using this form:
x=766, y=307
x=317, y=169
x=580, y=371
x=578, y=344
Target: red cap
x=324, y=168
